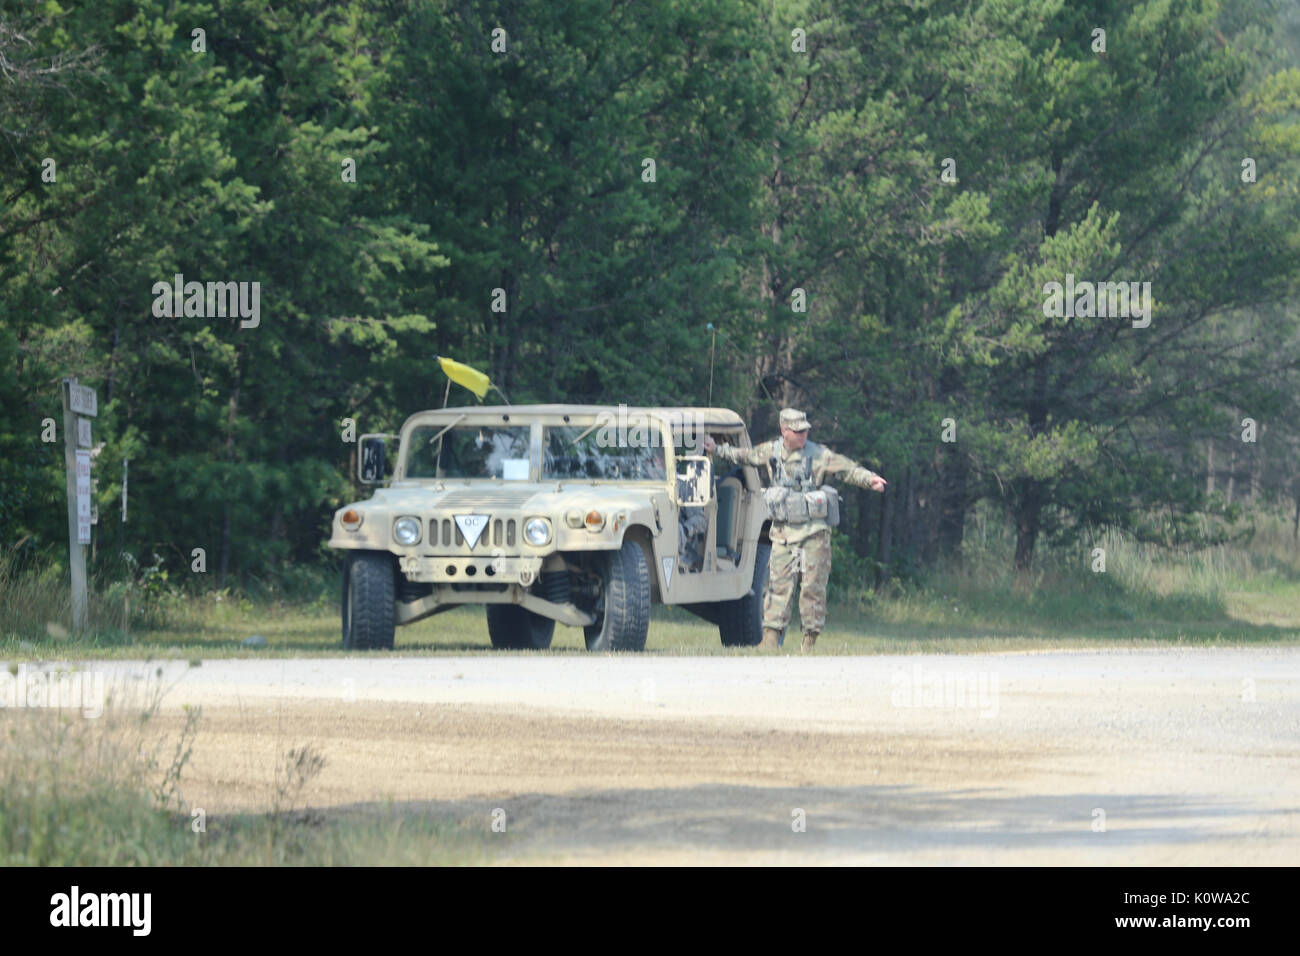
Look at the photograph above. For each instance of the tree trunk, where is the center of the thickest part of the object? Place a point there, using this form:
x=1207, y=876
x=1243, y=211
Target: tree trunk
x=928, y=502
x=1256, y=467
x=1232, y=473
x=1029, y=500
x=774, y=358
x=1209, y=467
x=1029, y=511
x=224, y=563
x=909, y=523
x=948, y=501
x=952, y=507
x=862, y=528
x=232, y=412
x=882, y=540
x=503, y=349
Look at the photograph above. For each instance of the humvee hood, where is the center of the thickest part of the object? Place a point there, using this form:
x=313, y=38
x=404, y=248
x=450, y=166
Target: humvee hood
x=517, y=497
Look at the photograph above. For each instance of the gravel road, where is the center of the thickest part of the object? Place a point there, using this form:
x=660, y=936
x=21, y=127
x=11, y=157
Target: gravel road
x=1165, y=756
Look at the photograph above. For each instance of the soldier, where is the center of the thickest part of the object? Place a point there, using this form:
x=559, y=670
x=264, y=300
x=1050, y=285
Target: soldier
x=803, y=513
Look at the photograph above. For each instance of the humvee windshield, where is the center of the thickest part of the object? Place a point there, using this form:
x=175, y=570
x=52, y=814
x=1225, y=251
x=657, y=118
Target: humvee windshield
x=468, y=451
x=603, y=453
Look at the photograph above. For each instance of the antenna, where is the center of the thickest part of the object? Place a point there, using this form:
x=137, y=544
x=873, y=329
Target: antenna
x=715, y=330
x=712, y=348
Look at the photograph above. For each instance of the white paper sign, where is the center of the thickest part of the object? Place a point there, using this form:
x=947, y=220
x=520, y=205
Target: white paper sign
x=83, y=497
x=515, y=469
x=83, y=472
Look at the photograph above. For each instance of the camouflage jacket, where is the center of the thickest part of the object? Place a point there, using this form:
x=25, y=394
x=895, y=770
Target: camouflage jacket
x=825, y=464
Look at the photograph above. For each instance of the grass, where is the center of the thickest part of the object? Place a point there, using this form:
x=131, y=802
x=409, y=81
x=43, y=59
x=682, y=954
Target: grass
x=1239, y=594
x=107, y=792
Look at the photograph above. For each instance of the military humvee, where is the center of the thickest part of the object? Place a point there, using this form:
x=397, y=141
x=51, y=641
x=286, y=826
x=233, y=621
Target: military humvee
x=574, y=513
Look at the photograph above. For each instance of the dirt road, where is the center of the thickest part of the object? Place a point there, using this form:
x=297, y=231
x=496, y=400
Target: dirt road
x=1108, y=758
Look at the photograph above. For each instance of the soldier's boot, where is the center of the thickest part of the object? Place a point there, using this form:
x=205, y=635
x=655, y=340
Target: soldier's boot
x=809, y=639
x=771, y=640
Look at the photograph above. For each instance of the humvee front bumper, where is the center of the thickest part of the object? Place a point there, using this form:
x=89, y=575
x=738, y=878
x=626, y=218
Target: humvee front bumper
x=447, y=595
x=461, y=569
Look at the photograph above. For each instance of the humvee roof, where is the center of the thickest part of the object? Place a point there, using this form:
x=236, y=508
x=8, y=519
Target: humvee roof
x=708, y=417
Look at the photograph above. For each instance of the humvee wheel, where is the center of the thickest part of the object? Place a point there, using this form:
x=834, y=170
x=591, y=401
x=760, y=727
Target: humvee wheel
x=369, y=601
x=740, y=622
x=624, y=617
x=514, y=628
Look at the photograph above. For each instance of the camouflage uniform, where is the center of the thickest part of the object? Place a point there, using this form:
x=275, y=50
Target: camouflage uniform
x=802, y=549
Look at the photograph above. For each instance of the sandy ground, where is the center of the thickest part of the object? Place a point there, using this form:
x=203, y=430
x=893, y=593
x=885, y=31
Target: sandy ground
x=1096, y=758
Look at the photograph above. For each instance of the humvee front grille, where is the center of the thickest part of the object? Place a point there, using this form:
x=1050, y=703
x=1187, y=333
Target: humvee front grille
x=503, y=533
x=443, y=533
x=491, y=500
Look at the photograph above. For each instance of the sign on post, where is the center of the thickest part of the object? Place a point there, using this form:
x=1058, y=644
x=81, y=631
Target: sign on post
x=78, y=400
x=83, y=496
x=82, y=400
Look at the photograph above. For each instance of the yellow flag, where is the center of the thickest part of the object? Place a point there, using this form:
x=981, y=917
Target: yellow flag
x=473, y=379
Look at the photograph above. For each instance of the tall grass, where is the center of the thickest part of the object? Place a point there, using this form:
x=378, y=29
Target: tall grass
x=1107, y=576
x=36, y=602
x=127, y=597
x=76, y=791
x=109, y=792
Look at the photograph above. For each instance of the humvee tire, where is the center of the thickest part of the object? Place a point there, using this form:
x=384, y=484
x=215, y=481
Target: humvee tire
x=515, y=628
x=623, y=623
x=740, y=622
x=369, y=601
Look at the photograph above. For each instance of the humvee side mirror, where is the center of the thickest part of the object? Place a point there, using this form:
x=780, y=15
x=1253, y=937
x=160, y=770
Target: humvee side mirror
x=372, y=459
x=694, y=484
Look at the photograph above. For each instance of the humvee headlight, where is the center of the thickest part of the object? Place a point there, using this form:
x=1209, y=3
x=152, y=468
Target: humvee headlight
x=594, y=520
x=573, y=518
x=406, y=531
x=537, y=531
x=350, y=519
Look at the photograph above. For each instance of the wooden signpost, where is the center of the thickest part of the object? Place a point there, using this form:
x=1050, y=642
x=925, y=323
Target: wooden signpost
x=80, y=405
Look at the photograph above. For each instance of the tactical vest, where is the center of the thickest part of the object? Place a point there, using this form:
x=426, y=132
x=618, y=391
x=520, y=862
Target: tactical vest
x=794, y=498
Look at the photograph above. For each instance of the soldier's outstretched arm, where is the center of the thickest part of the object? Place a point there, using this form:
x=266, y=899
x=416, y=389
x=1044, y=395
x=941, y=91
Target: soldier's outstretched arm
x=850, y=472
x=758, y=455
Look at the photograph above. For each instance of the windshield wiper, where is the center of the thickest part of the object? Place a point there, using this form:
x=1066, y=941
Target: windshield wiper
x=456, y=421
x=586, y=433
x=437, y=465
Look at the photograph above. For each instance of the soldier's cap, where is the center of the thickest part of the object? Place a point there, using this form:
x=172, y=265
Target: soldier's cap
x=794, y=420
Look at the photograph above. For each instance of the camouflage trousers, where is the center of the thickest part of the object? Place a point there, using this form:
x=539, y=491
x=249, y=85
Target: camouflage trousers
x=809, y=560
